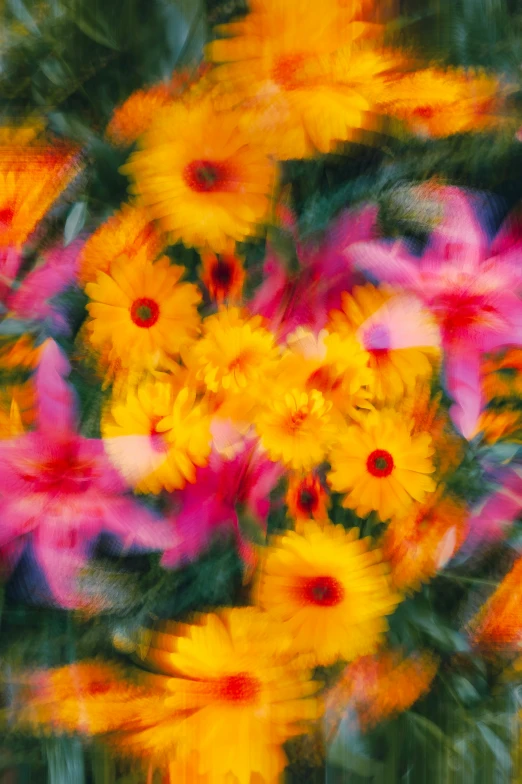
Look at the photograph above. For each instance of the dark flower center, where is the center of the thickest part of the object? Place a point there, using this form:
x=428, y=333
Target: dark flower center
x=239, y=688
x=222, y=273
x=323, y=591
x=206, y=176
x=380, y=463
x=144, y=312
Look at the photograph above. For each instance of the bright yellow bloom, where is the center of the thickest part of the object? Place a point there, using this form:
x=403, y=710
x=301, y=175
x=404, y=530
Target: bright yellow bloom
x=377, y=687
x=142, y=311
x=296, y=427
x=230, y=670
x=437, y=103
x=306, y=74
x=127, y=233
x=400, y=336
x=329, y=590
x=382, y=466
x=157, y=435
x=335, y=365
x=31, y=179
x=205, y=180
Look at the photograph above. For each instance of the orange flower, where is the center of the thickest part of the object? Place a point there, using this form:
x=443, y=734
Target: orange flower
x=502, y=376
x=223, y=276
x=498, y=625
x=307, y=498
x=497, y=425
x=376, y=687
x=417, y=545
x=128, y=232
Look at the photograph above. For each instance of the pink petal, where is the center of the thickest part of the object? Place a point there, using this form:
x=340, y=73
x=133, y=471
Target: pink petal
x=490, y=523
x=384, y=261
x=462, y=372
x=55, y=398
x=459, y=237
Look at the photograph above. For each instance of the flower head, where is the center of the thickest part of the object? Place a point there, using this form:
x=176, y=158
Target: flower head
x=382, y=466
x=329, y=589
x=307, y=498
x=223, y=276
x=498, y=625
x=204, y=179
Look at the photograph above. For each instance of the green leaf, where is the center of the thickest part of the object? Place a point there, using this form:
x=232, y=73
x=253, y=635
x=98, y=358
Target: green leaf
x=497, y=746
x=75, y=222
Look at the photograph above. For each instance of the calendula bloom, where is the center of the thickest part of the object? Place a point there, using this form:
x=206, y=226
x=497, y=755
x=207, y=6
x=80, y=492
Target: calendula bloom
x=60, y=491
x=307, y=498
x=471, y=287
x=501, y=375
x=436, y=103
x=142, y=311
x=250, y=683
x=157, y=435
x=296, y=427
x=204, y=188
x=382, y=466
x=418, y=544
x=32, y=176
x=223, y=276
x=498, y=624
x=328, y=589
x=87, y=697
x=127, y=233
x=307, y=77
x=336, y=365
x=374, y=688
x=399, y=335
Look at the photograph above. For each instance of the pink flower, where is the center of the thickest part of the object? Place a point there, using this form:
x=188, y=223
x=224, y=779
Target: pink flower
x=59, y=491
x=470, y=286
x=288, y=301
x=489, y=522
x=211, y=503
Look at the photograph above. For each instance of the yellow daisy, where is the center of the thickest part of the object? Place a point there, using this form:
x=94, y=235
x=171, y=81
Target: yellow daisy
x=205, y=180
x=127, y=233
x=157, y=435
x=329, y=590
x=142, y=311
x=382, y=466
x=230, y=669
x=400, y=337
x=296, y=427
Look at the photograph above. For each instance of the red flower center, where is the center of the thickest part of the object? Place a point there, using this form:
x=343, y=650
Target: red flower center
x=144, y=312
x=98, y=687
x=380, y=463
x=6, y=217
x=426, y=112
x=206, y=176
x=323, y=591
x=222, y=273
x=308, y=500
x=239, y=688
x=297, y=419
x=286, y=71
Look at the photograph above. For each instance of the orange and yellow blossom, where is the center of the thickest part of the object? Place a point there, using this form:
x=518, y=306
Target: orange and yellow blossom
x=306, y=498
x=223, y=276
x=328, y=589
x=498, y=624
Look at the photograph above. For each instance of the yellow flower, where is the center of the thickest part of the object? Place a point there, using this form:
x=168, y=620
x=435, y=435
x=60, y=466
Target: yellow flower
x=400, y=336
x=142, y=311
x=437, y=103
x=382, y=466
x=229, y=670
x=31, y=179
x=296, y=427
x=330, y=591
x=157, y=435
x=306, y=74
x=127, y=233
x=205, y=180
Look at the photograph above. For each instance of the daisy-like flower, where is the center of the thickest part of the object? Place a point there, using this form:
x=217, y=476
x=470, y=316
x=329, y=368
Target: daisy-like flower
x=205, y=180
x=498, y=624
x=382, y=466
x=420, y=543
x=142, y=311
x=307, y=498
x=296, y=427
x=249, y=682
x=400, y=337
x=307, y=76
x=377, y=687
x=329, y=590
x=157, y=435
x=127, y=233
x=223, y=276
x=234, y=353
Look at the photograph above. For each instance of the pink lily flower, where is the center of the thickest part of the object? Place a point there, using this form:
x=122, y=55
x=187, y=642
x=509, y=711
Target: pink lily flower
x=471, y=287
x=211, y=503
x=490, y=522
x=288, y=301
x=59, y=491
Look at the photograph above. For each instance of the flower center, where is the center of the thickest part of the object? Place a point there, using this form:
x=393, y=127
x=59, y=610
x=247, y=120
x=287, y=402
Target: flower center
x=426, y=112
x=6, y=217
x=307, y=499
x=377, y=340
x=239, y=688
x=206, y=176
x=98, y=687
x=144, y=312
x=298, y=418
x=286, y=71
x=222, y=273
x=323, y=591
x=380, y=463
